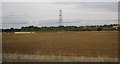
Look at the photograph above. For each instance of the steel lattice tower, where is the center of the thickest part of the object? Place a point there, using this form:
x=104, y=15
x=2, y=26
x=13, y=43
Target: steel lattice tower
x=60, y=18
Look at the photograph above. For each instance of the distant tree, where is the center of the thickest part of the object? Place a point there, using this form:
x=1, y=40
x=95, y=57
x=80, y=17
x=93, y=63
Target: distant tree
x=64, y=28
x=12, y=29
x=99, y=29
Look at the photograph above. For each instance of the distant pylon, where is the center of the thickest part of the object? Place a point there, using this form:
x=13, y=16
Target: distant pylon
x=60, y=18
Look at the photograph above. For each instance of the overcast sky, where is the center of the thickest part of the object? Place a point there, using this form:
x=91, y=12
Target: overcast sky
x=17, y=14
x=59, y=0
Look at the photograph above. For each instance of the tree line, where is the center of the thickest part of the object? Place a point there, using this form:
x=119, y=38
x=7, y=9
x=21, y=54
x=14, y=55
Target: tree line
x=111, y=27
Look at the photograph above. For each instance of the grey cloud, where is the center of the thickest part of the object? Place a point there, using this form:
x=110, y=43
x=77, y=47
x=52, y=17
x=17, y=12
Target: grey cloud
x=104, y=6
x=46, y=14
x=15, y=19
x=110, y=6
x=60, y=0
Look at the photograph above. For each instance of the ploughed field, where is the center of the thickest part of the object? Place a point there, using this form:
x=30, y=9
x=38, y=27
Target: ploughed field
x=88, y=44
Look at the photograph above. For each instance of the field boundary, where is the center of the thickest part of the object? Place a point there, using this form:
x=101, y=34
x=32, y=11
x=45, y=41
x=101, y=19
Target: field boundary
x=51, y=58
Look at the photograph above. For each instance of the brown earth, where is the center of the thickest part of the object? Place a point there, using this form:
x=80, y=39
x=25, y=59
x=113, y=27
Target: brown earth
x=90, y=44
